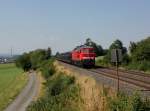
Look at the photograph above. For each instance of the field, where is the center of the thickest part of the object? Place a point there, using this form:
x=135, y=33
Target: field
x=12, y=80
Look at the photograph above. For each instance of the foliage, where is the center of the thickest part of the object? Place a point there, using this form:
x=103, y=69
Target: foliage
x=37, y=57
x=61, y=92
x=62, y=95
x=141, y=65
x=132, y=47
x=98, y=49
x=117, y=44
x=118, y=104
x=142, y=51
x=24, y=62
x=48, y=53
x=123, y=102
x=100, y=61
x=140, y=55
x=47, y=68
x=33, y=59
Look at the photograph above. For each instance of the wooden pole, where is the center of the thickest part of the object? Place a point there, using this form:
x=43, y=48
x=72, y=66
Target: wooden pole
x=117, y=55
x=118, y=86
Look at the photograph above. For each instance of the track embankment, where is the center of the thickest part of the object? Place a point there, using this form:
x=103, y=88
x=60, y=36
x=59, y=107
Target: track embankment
x=129, y=83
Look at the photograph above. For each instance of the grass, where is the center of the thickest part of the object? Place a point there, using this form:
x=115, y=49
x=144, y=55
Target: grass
x=99, y=61
x=12, y=80
x=60, y=93
x=66, y=90
x=89, y=90
x=98, y=97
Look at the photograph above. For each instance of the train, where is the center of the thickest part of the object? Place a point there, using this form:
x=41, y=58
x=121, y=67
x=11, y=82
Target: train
x=83, y=56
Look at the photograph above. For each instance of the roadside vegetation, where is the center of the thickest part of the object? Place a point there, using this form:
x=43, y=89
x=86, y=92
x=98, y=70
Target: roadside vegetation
x=34, y=59
x=68, y=91
x=94, y=97
x=12, y=80
x=61, y=93
x=122, y=102
x=136, y=57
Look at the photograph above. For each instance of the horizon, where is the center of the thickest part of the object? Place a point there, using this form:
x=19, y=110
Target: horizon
x=62, y=25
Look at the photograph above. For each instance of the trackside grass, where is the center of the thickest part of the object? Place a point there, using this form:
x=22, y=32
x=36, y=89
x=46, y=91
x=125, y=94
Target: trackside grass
x=66, y=90
x=12, y=80
x=98, y=97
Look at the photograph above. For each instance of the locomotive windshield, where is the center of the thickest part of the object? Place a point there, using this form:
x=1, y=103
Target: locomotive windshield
x=87, y=50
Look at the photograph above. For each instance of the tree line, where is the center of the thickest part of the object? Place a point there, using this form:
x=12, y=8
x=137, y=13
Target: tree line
x=33, y=59
x=136, y=57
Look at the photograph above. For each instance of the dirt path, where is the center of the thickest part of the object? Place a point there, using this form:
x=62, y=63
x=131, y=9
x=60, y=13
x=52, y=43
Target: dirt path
x=27, y=95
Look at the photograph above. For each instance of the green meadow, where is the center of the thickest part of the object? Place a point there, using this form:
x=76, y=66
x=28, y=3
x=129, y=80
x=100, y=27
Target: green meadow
x=12, y=80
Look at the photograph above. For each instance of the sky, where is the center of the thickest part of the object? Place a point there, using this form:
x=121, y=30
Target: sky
x=27, y=25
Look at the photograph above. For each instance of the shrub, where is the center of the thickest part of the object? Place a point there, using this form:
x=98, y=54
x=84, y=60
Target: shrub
x=144, y=65
x=33, y=59
x=119, y=103
x=128, y=103
x=47, y=68
x=57, y=85
x=62, y=94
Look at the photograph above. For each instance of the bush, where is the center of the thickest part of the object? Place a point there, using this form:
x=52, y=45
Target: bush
x=33, y=59
x=57, y=85
x=143, y=65
x=24, y=62
x=47, y=68
x=128, y=103
x=62, y=94
x=119, y=103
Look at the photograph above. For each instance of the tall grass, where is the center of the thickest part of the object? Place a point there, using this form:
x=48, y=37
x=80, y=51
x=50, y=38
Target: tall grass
x=101, y=98
x=123, y=102
x=68, y=91
x=62, y=94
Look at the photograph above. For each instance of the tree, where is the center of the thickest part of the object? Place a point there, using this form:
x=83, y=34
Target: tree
x=37, y=57
x=88, y=42
x=97, y=48
x=33, y=59
x=24, y=62
x=117, y=44
x=142, y=50
x=48, y=53
x=132, y=47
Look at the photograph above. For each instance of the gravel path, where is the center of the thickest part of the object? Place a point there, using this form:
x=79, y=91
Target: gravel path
x=27, y=94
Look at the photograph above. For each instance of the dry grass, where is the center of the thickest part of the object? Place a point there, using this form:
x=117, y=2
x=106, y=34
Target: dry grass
x=94, y=96
x=41, y=86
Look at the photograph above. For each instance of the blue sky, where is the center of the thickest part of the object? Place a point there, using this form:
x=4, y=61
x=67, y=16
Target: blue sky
x=62, y=24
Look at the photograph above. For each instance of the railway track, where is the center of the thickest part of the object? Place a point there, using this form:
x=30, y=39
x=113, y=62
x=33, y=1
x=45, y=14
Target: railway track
x=139, y=79
x=129, y=82
x=132, y=72
x=136, y=79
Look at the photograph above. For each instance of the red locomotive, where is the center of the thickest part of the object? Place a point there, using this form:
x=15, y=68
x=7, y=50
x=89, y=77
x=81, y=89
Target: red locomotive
x=81, y=55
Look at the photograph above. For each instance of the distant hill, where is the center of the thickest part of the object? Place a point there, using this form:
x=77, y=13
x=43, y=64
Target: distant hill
x=8, y=56
x=4, y=55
